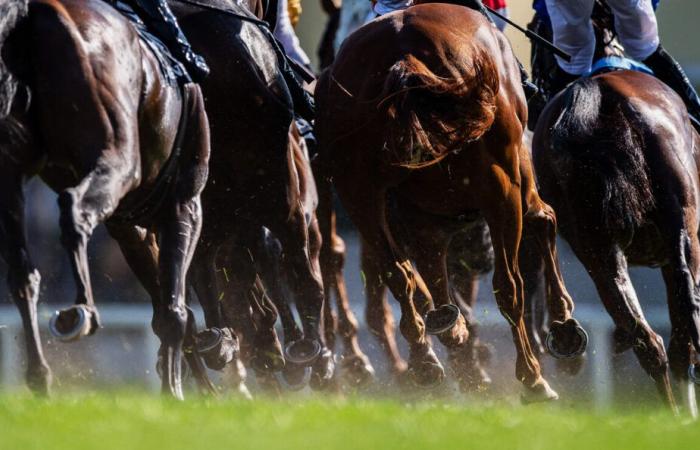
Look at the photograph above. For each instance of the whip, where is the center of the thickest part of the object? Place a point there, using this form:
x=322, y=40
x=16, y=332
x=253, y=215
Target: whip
x=533, y=36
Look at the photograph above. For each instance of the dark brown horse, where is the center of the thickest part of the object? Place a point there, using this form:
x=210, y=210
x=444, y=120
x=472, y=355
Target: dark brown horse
x=254, y=184
x=84, y=105
x=424, y=133
x=617, y=158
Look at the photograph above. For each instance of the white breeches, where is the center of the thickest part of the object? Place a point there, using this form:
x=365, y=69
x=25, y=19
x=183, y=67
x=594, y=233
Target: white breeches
x=635, y=24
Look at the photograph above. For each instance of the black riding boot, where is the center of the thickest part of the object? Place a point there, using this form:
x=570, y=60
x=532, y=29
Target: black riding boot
x=161, y=21
x=670, y=72
x=560, y=80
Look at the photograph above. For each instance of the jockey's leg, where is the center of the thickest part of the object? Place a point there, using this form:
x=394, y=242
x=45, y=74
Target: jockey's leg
x=573, y=32
x=635, y=24
x=161, y=20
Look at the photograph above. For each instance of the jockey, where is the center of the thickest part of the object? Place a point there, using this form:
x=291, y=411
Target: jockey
x=501, y=8
x=636, y=27
x=284, y=32
x=160, y=20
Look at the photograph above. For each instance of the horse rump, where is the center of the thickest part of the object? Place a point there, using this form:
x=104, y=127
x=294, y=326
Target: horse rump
x=594, y=142
x=11, y=14
x=430, y=116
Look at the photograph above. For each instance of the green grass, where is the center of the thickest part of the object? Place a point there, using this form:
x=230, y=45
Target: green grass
x=125, y=421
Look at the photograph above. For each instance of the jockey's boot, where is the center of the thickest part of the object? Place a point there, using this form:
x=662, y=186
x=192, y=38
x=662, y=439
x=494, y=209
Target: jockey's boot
x=670, y=72
x=560, y=80
x=161, y=21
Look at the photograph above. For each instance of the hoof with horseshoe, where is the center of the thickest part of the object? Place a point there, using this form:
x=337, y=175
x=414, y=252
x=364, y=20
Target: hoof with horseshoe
x=71, y=324
x=303, y=352
x=442, y=319
x=566, y=339
x=217, y=347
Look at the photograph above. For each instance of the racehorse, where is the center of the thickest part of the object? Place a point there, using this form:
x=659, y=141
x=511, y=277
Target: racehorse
x=254, y=173
x=85, y=106
x=424, y=133
x=617, y=157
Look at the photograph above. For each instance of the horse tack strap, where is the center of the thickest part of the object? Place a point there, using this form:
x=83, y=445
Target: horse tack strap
x=147, y=207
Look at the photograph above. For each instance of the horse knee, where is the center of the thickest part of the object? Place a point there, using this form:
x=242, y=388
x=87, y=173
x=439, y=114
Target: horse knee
x=170, y=325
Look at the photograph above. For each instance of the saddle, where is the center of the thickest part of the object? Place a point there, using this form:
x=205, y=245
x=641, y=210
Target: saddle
x=614, y=63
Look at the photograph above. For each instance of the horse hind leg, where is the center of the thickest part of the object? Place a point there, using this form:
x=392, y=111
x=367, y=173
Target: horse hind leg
x=504, y=218
x=608, y=268
x=683, y=295
x=357, y=369
x=179, y=228
x=22, y=276
x=82, y=208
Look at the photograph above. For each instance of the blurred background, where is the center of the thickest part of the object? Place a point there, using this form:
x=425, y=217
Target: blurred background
x=124, y=352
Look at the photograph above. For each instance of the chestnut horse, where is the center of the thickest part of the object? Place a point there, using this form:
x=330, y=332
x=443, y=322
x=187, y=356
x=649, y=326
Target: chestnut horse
x=617, y=157
x=469, y=256
x=100, y=127
x=429, y=124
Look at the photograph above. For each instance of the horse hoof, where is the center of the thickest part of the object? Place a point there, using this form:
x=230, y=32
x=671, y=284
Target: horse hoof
x=442, y=319
x=73, y=323
x=538, y=393
x=303, y=352
x=296, y=376
x=216, y=346
x=186, y=371
x=566, y=339
x=426, y=372
x=322, y=371
x=357, y=371
x=693, y=374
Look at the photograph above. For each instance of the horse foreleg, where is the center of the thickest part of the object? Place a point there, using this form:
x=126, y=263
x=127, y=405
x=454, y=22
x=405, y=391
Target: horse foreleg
x=302, y=270
x=378, y=315
x=23, y=278
x=367, y=208
x=355, y=364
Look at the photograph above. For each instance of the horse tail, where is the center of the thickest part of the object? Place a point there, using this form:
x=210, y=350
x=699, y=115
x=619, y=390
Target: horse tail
x=430, y=116
x=595, y=143
x=11, y=14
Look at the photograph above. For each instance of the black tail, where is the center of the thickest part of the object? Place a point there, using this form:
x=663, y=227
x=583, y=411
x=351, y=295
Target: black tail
x=597, y=152
x=11, y=13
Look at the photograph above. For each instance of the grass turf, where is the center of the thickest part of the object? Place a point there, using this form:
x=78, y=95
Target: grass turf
x=126, y=421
